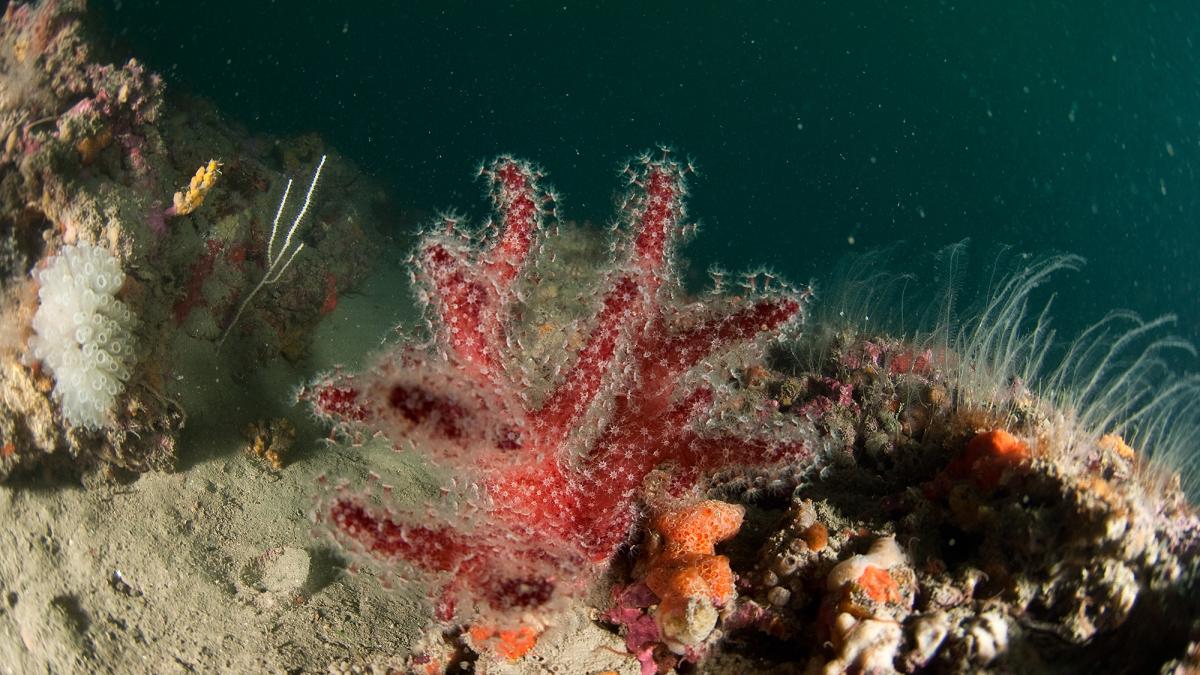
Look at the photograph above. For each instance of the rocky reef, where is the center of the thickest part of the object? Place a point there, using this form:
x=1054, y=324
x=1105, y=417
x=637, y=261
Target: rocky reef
x=93, y=152
x=576, y=464
x=936, y=523
x=843, y=502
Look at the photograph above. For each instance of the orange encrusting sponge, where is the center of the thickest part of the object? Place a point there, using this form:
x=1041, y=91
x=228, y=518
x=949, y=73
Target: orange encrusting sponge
x=686, y=565
x=991, y=453
x=987, y=458
x=879, y=585
x=509, y=644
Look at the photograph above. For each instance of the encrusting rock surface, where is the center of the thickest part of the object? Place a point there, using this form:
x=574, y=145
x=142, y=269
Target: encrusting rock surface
x=927, y=519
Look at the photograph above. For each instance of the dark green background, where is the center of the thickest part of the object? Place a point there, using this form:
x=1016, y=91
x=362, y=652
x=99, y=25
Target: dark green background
x=1046, y=125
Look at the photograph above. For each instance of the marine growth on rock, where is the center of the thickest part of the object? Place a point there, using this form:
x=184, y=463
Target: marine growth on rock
x=554, y=475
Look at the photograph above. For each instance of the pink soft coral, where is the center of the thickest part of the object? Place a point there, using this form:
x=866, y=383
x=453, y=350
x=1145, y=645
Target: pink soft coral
x=556, y=480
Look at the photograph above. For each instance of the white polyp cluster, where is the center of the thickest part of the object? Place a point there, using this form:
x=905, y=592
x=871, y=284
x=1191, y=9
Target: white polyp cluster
x=83, y=333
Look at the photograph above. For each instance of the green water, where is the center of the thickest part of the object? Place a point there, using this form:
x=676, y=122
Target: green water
x=1049, y=126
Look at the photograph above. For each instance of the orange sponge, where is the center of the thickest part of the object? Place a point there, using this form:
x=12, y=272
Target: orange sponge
x=686, y=565
x=690, y=580
x=991, y=453
x=879, y=585
x=510, y=644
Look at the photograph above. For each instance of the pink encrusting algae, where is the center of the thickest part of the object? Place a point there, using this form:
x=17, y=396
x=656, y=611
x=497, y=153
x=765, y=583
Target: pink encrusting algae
x=557, y=478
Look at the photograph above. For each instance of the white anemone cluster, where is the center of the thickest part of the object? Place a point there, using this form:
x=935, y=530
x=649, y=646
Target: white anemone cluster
x=83, y=333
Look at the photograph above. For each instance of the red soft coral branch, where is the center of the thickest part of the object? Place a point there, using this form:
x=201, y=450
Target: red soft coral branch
x=465, y=304
x=571, y=399
x=558, y=484
x=658, y=211
x=657, y=214
x=520, y=201
x=471, y=289
x=437, y=549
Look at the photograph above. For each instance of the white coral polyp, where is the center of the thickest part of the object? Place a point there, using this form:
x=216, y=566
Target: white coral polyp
x=83, y=333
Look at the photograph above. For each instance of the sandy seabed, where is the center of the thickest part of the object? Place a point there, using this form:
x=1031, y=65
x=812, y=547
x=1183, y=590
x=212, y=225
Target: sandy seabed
x=216, y=567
